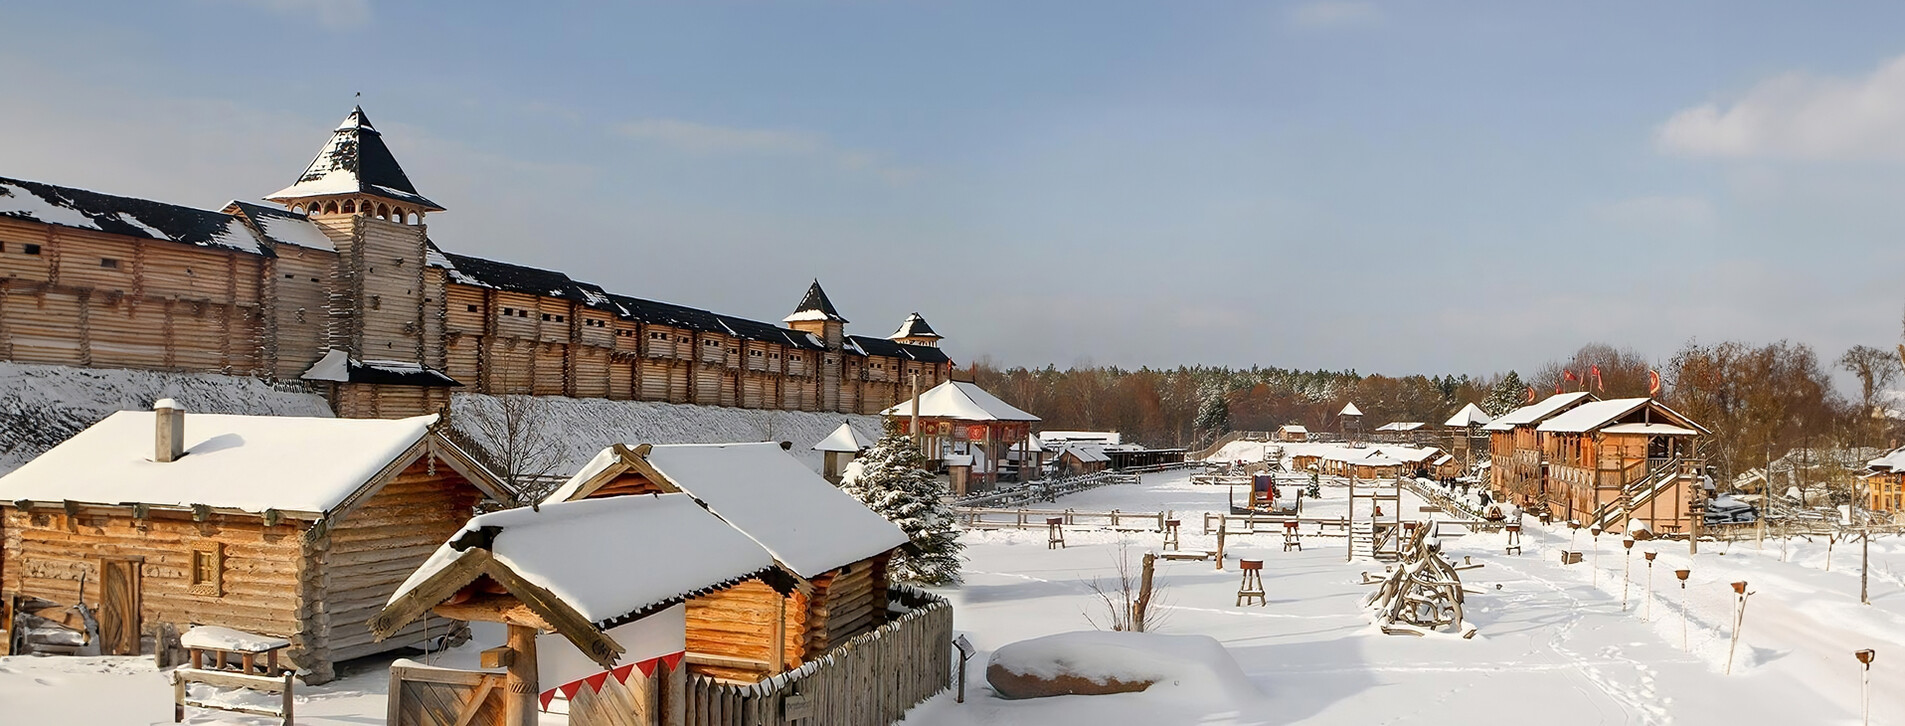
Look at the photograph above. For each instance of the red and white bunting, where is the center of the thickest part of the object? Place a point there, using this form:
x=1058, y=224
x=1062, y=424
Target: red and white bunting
x=620, y=674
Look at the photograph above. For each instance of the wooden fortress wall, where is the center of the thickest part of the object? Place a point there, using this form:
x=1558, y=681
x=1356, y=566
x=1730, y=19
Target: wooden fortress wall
x=94, y=299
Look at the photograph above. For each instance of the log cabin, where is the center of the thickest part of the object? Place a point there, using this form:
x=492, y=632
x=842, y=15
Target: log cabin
x=839, y=449
x=558, y=577
x=1079, y=459
x=960, y=418
x=1517, y=472
x=836, y=549
x=1885, y=483
x=1293, y=433
x=1632, y=449
x=344, y=262
x=292, y=527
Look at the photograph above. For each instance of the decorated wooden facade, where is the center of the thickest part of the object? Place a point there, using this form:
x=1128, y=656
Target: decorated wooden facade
x=836, y=549
x=1604, y=463
x=346, y=264
x=1885, y=483
x=291, y=527
x=1515, y=447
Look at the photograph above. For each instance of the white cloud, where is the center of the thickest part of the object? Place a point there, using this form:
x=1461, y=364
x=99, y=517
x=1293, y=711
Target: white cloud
x=1335, y=13
x=1799, y=116
x=328, y=13
x=700, y=138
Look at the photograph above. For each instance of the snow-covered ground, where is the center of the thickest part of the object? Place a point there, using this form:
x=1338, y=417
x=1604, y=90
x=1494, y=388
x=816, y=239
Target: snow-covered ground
x=1554, y=645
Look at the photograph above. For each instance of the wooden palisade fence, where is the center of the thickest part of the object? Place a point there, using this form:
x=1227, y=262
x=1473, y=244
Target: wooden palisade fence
x=870, y=681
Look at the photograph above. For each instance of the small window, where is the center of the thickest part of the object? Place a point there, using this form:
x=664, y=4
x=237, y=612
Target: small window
x=472, y=308
x=208, y=570
x=376, y=302
x=109, y=263
x=754, y=354
x=31, y=249
x=290, y=276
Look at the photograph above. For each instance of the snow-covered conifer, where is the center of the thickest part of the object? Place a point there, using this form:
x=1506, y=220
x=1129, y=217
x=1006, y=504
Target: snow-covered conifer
x=890, y=479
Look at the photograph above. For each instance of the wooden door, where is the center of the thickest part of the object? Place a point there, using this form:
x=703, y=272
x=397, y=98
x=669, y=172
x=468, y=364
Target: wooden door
x=119, y=607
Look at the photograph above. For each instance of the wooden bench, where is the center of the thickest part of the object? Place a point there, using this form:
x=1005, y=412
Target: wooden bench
x=1194, y=555
x=226, y=658
x=226, y=679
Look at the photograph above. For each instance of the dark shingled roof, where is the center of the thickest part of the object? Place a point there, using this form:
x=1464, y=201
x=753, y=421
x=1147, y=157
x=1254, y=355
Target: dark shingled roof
x=355, y=161
x=264, y=219
x=865, y=345
x=915, y=327
x=816, y=300
x=526, y=280
x=82, y=209
x=339, y=367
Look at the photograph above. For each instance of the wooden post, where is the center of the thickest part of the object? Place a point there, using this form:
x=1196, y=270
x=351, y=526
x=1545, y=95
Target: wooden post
x=1144, y=593
x=919, y=442
x=1221, y=526
x=519, y=701
x=780, y=634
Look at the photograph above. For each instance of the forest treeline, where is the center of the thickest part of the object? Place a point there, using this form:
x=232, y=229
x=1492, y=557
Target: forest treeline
x=1760, y=401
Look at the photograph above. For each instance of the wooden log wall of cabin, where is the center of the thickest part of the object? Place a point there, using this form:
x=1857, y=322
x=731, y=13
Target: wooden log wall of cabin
x=737, y=624
x=378, y=544
x=48, y=552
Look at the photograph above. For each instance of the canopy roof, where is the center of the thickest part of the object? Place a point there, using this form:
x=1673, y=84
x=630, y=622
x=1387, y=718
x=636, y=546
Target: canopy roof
x=355, y=161
x=1401, y=426
x=339, y=367
x=246, y=463
x=844, y=439
x=960, y=401
x=1350, y=409
x=1538, y=411
x=806, y=523
x=1470, y=415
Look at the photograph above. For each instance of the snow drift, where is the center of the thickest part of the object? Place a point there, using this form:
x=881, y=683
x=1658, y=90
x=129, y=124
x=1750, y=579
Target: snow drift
x=1190, y=666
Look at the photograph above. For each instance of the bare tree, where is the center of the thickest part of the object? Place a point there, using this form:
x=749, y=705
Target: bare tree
x=515, y=434
x=1128, y=600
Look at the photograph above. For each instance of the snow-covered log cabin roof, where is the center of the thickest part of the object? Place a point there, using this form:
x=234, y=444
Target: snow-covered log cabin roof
x=355, y=161
x=960, y=401
x=1597, y=414
x=1538, y=411
x=245, y=463
x=806, y=523
x=1470, y=415
x=1350, y=409
x=1401, y=426
x=1085, y=453
x=1293, y=429
x=82, y=209
x=339, y=367
x=844, y=439
x=582, y=554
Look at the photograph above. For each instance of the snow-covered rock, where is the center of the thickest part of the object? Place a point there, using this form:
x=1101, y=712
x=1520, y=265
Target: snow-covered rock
x=1095, y=663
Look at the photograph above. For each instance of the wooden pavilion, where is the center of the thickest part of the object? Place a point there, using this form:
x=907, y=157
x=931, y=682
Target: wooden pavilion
x=297, y=528
x=1515, y=472
x=959, y=417
x=839, y=449
x=1634, y=452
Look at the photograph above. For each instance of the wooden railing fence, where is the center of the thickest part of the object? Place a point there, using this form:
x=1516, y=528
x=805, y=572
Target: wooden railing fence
x=426, y=696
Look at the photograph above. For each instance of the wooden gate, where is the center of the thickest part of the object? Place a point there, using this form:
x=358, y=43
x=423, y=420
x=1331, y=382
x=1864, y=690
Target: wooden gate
x=424, y=696
x=119, y=607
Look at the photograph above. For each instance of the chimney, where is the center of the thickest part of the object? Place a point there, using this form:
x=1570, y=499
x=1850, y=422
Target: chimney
x=169, y=441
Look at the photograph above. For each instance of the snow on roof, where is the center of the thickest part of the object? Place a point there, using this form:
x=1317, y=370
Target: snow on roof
x=1443, y=460
x=805, y=522
x=1591, y=415
x=1293, y=428
x=567, y=548
x=814, y=306
x=1651, y=429
x=1536, y=412
x=249, y=463
x=1350, y=409
x=1110, y=438
x=914, y=327
x=355, y=161
x=338, y=366
x=844, y=439
x=961, y=401
x=1086, y=453
x=72, y=207
x=957, y=459
x=1470, y=415
x=1401, y=426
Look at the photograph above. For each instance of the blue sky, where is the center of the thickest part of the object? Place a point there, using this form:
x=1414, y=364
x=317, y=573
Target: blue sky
x=1396, y=187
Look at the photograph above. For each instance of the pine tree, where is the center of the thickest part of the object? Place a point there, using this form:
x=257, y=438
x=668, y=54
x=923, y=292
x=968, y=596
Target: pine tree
x=1213, y=415
x=891, y=479
x=1316, y=486
x=1508, y=395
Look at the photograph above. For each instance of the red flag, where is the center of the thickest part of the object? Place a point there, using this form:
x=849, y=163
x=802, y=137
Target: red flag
x=1568, y=374
x=647, y=666
x=548, y=696
x=1531, y=394
x=1557, y=389
x=595, y=681
x=1653, y=383
x=1595, y=371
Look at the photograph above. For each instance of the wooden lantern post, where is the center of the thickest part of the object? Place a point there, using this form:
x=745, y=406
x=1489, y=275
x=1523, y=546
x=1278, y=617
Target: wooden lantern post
x=1647, y=613
x=1682, y=574
x=1739, y=618
x=1596, y=564
x=1627, y=569
x=1865, y=656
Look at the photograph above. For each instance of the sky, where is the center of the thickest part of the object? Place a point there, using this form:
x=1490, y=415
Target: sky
x=1406, y=187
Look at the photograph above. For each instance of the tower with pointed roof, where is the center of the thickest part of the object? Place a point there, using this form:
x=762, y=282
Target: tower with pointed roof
x=915, y=331
x=815, y=314
x=357, y=193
